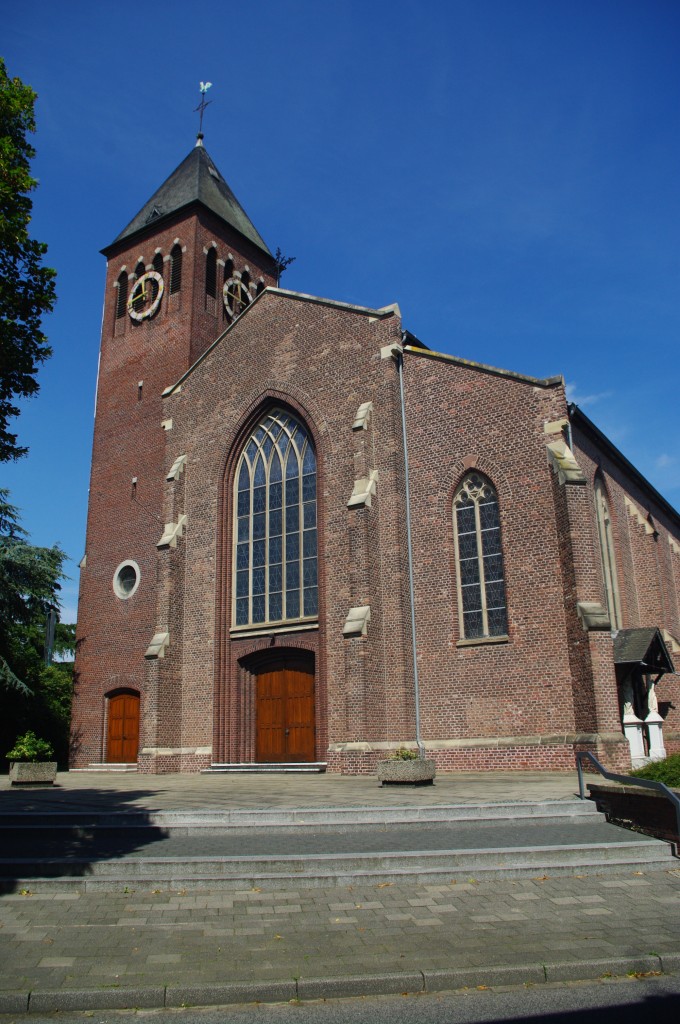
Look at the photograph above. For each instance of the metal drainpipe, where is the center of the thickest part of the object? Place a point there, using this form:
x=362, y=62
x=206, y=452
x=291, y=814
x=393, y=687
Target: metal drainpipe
x=416, y=688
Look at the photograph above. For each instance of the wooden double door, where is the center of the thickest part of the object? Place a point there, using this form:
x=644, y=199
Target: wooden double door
x=284, y=709
x=122, y=741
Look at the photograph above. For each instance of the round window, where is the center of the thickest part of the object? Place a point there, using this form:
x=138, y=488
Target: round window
x=126, y=579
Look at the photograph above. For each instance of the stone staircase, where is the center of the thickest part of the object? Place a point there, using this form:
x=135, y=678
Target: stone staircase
x=307, y=847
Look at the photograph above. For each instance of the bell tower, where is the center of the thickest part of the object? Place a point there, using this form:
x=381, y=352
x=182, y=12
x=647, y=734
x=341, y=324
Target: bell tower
x=177, y=276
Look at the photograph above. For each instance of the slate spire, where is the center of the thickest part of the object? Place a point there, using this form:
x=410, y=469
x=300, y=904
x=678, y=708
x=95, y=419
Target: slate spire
x=196, y=180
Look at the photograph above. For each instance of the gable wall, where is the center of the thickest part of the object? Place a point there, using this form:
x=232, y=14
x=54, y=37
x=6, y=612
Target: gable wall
x=323, y=363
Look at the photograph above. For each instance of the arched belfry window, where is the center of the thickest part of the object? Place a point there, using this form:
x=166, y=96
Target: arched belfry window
x=175, y=268
x=604, y=530
x=275, y=540
x=211, y=275
x=479, y=559
x=121, y=301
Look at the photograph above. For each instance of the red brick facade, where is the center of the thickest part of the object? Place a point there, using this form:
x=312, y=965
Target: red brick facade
x=186, y=382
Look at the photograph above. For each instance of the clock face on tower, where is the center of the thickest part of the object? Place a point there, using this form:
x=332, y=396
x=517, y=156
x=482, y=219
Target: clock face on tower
x=236, y=295
x=145, y=296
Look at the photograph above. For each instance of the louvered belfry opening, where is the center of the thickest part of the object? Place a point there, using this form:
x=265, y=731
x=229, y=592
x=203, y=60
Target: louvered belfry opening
x=175, y=269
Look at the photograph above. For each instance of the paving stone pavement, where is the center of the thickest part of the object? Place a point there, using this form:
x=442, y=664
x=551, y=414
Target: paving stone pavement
x=114, y=791
x=142, y=947
x=138, y=938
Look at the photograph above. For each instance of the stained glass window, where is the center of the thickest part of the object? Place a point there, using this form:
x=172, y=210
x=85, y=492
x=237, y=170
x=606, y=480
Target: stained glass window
x=275, y=560
x=479, y=559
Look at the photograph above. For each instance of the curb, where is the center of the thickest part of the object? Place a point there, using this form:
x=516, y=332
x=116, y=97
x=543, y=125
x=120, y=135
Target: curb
x=159, y=997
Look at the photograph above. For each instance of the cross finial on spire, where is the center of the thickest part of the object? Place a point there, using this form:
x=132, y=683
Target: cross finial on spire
x=204, y=86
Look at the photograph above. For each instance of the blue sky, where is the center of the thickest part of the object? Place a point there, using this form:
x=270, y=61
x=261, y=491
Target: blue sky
x=506, y=170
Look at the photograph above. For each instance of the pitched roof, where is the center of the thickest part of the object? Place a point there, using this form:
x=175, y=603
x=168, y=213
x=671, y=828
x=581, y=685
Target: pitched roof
x=642, y=646
x=579, y=420
x=197, y=179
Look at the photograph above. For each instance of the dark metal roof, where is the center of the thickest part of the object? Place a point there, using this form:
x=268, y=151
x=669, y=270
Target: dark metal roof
x=582, y=422
x=642, y=646
x=197, y=179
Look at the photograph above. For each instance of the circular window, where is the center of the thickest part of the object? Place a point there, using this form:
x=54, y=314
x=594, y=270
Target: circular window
x=126, y=579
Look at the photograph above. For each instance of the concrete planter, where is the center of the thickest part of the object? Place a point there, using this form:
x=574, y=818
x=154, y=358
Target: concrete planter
x=32, y=773
x=636, y=808
x=419, y=772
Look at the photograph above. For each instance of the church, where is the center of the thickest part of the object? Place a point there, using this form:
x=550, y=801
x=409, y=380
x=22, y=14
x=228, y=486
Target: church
x=312, y=540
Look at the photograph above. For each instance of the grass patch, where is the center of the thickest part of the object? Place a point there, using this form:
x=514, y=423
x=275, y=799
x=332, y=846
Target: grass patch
x=667, y=771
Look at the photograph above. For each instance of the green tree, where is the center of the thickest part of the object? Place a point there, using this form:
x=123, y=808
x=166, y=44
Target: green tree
x=26, y=286
x=34, y=695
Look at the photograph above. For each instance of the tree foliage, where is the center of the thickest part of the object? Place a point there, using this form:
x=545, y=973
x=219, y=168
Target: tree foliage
x=34, y=695
x=26, y=286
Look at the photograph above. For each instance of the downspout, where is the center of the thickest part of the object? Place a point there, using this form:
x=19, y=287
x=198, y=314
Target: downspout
x=409, y=546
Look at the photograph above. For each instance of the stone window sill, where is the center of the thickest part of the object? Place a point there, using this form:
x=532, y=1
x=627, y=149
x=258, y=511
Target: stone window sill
x=479, y=641
x=236, y=632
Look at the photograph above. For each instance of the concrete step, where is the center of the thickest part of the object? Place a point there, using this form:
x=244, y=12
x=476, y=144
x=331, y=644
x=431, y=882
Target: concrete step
x=42, y=874
x=320, y=854
x=108, y=767
x=282, y=768
x=206, y=821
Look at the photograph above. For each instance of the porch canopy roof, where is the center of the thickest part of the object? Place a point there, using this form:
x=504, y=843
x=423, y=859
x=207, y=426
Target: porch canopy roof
x=644, y=647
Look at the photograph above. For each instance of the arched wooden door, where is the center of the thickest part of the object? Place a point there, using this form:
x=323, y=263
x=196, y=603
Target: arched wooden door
x=285, y=716
x=123, y=729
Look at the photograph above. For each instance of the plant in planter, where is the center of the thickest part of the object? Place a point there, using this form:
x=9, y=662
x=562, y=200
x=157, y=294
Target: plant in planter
x=407, y=768
x=31, y=761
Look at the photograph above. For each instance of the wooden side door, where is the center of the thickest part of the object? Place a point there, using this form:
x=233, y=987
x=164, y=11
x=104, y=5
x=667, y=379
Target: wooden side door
x=285, y=722
x=123, y=729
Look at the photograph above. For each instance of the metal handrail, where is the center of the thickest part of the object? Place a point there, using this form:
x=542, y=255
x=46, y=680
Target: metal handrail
x=631, y=780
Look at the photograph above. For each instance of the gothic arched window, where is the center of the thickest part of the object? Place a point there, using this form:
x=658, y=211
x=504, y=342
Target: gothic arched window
x=275, y=563
x=479, y=559
x=604, y=530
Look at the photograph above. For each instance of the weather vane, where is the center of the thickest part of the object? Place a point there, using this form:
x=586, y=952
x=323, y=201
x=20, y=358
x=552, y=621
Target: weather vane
x=202, y=105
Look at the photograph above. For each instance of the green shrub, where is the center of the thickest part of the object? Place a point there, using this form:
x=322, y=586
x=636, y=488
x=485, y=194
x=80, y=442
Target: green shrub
x=404, y=754
x=29, y=748
x=667, y=771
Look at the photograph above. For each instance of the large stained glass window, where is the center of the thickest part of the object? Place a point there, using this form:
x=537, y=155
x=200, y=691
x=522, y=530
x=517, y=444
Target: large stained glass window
x=275, y=563
x=479, y=559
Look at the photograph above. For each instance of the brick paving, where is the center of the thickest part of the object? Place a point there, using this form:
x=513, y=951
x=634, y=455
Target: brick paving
x=113, y=791
x=141, y=937
x=144, y=947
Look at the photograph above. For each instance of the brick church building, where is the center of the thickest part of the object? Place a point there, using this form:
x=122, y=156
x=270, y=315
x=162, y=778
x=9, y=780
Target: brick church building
x=312, y=540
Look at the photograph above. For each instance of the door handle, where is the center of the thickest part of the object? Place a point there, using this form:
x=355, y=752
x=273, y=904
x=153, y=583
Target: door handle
x=287, y=733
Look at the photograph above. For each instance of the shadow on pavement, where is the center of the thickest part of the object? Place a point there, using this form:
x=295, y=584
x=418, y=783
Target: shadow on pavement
x=61, y=833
